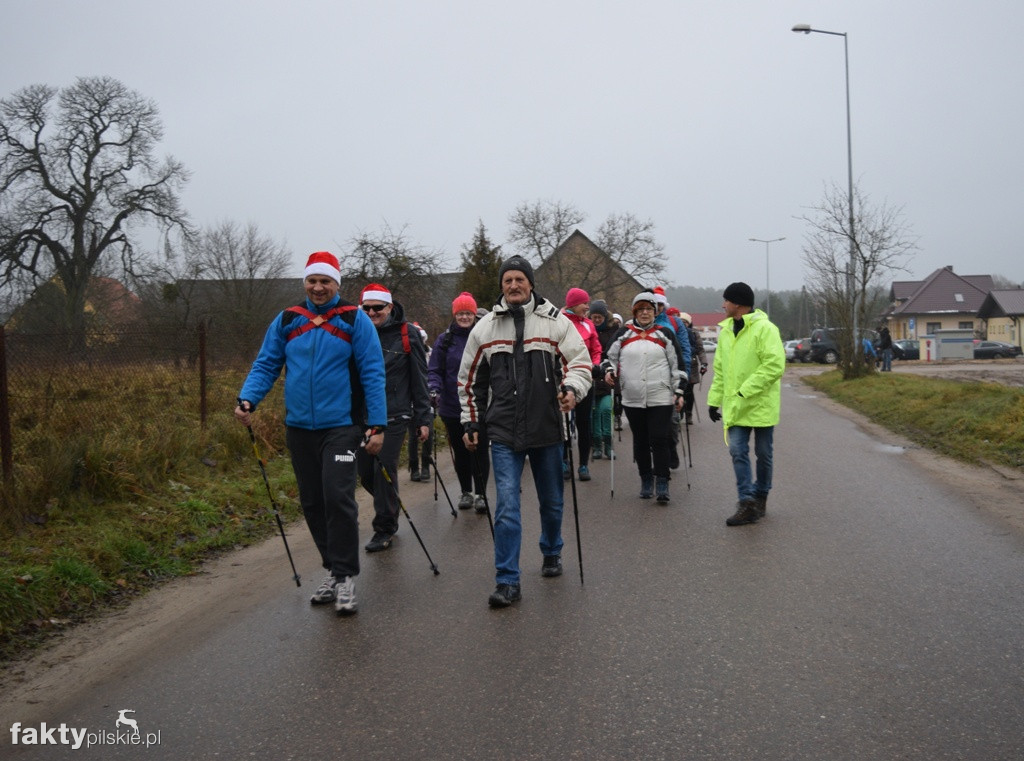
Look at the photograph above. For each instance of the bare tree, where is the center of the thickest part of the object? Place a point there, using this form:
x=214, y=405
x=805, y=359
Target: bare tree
x=536, y=229
x=879, y=244
x=631, y=244
x=77, y=174
x=390, y=258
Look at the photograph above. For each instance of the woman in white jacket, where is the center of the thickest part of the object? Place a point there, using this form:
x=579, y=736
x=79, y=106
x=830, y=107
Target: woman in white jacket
x=644, y=362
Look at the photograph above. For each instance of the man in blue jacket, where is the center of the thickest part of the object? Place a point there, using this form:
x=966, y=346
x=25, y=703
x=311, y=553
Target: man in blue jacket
x=335, y=400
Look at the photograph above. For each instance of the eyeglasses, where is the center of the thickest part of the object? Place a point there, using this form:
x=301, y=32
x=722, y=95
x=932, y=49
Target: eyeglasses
x=644, y=309
x=374, y=307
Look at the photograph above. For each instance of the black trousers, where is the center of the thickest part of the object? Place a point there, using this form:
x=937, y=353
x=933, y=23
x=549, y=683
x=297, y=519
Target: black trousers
x=652, y=438
x=324, y=462
x=420, y=451
x=385, y=495
x=471, y=467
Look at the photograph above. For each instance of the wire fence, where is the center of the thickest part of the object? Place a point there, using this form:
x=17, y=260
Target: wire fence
x=52, y=388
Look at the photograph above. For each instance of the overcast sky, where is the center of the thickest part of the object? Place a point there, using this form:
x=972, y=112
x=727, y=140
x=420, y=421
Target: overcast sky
x=318, y=120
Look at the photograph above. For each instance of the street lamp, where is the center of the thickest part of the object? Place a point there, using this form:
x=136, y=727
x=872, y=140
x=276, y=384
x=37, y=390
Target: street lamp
x=850, y=282
x=767, y=269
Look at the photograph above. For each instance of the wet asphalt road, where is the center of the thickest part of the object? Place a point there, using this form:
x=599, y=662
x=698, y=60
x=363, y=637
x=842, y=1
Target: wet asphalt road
x=872, y=615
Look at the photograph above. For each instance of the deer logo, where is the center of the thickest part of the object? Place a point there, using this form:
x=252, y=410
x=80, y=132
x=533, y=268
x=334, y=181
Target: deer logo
x=122, y=719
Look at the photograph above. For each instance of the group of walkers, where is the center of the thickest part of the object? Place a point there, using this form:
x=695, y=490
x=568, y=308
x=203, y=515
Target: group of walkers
x=514, y=382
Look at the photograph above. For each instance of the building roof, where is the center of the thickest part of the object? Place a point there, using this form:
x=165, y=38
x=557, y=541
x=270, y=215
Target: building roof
x=1003, y=303
x=706, y=319
x=943, y=291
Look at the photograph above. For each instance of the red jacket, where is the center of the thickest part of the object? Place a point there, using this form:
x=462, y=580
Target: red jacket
x=588, y=332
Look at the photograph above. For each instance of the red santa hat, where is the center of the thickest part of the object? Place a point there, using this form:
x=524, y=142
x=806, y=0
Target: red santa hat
x=375, y=292
x=659, y=294
x=323, y=263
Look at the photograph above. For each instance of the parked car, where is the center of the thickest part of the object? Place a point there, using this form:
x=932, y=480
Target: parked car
x=802, y=350
x=790, y=349
x=995, y=350
x=905, y=348
x=824, y=347
x=709, y=345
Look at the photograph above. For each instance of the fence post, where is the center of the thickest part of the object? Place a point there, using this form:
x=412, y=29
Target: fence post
x=6, y=445
x=202, y=373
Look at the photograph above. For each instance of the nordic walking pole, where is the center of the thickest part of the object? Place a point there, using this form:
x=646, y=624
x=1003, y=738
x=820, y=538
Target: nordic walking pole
x=611, y=448
x=572, y=478
x=433, y=462
x=273, y=502
x=689, y=451
x=387, y=477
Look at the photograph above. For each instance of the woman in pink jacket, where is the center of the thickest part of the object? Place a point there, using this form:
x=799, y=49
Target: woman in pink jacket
x=577, y=304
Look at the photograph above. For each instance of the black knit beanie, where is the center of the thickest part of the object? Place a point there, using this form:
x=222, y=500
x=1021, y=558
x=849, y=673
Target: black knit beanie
x=517, y=263
x=740, y=294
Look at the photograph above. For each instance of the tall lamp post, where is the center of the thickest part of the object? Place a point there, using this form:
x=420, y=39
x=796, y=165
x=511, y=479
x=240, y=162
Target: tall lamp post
x=767, y=278
x=850, y=280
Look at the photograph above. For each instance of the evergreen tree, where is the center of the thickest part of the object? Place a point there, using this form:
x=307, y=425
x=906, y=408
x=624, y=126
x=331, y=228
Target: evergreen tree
x=480, y=264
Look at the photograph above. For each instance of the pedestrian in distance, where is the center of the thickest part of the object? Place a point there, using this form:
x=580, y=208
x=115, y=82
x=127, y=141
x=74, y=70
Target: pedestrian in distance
x=405, y=362
x=746, y=395
x=698, y=361
x=419, y=451
x=601, y=419
x=472, y=468
x=644, y=362
x=577, y=304
x=885, y=348
x=523, y=370
x=335, y=402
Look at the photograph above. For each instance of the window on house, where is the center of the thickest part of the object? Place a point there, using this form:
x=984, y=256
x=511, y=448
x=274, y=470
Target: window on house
x=933, y=326
x=967, y=325
x=958, y=297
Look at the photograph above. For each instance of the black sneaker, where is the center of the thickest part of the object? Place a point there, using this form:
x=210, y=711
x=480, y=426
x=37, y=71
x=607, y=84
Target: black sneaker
x=504, y=595
x=661, y=487
x=552, y=566
x=646, y=486
x=414, y=475
x=381, y=541
x=465, y=501
x=762, y=504
x=746, y=512
x=425, y=473
x=480, y=504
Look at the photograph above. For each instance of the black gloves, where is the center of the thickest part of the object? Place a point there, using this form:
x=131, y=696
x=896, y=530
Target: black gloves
x=703, y=368
x=714, y=414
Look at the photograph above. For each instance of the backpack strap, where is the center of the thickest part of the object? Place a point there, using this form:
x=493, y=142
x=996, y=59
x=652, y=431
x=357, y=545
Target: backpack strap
x=319, y=321
x=406, y=346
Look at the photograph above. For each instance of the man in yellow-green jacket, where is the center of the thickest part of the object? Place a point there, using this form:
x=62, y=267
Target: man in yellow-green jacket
x=746, y=394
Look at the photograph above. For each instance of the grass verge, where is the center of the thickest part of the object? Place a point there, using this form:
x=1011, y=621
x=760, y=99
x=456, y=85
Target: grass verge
x=973, y=422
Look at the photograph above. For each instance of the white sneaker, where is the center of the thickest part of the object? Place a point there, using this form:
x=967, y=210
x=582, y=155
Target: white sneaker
x=345, y=596
x=325, y=592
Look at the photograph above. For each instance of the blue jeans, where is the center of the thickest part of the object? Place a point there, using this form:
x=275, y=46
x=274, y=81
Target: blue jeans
x=507, y=467
x=886, y=360
x=739, y=448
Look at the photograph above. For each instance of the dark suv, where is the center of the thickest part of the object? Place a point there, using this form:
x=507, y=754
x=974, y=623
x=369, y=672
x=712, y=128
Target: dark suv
x=824, y=347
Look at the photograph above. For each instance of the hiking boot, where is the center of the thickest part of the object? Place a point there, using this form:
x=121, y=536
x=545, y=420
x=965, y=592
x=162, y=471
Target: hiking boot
x=465, y=501
x=345, y=596
x=661, y=487
x=425, y=473
x=480, y=504
x=689, y=418
x=414, y=474
x=762, y=504
x=647, y=486
x=596, y=453
x=504, y=595
x=746, y=512
x=381, y=541
x=584, y=473
x=552, y=566
x=324, y=593
x=673, y=459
